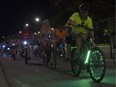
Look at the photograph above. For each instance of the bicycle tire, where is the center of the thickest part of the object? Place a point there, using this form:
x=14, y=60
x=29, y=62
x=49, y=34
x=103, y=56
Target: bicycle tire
x=97, y=60
x=76, y=68
x=54, y=60
x=26, y=58
x=47, y=58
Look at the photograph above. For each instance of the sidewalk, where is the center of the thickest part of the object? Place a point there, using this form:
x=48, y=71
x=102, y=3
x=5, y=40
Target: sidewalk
x=3, y=81
x=106, y=50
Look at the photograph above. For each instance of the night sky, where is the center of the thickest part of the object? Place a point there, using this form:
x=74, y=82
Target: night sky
x=15, y=13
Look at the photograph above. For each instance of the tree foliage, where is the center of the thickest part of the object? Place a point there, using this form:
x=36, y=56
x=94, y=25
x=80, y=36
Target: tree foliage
x=99, y=9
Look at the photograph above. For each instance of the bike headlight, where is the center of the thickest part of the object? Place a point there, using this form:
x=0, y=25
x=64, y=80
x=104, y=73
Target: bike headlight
x=13, y=44
x=3, y=46
x=8, y=48
x=51, y=45
x=49, y=36
x=25, y=42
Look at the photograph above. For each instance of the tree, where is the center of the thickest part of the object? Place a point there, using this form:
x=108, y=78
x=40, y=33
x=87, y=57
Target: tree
x=99, y=9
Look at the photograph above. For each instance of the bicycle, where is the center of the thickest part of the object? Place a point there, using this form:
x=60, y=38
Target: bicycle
x=13, y=51
x=61, y=52
x=25, y=51
x=6, y=50
x=90, y=58
x=50, y=53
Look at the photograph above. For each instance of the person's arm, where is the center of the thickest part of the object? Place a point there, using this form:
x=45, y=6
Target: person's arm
x=91, y=33
x=90, y=27
x=72, y=20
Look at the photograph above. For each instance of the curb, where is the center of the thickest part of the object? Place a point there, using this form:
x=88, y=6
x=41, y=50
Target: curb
x=3, y=78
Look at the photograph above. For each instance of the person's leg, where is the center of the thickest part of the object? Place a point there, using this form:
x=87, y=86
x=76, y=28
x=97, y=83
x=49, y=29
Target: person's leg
x=43, y=47
x=57, y=45
x=78, y=43
x=68, y=52
x=77, y=37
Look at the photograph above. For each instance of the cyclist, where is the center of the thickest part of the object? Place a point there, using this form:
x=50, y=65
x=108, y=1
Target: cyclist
x=46, y=30
x=26, y=34
x=13, y=45
x=77, y=22
x=60, y=35
x=69, y=40
x=36, y=44
x=60, y=39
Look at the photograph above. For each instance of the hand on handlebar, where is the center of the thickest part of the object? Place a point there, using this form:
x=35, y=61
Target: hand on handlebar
x=78, y=25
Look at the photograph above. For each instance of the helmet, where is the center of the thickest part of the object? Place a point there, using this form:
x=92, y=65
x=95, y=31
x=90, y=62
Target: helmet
x=83, y=7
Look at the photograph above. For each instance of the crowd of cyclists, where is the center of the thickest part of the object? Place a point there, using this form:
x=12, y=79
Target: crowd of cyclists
x=37, y=41
x=64, y=34
x=64, y=42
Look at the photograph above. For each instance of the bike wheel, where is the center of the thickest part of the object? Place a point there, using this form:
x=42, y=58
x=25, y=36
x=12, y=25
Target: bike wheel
x=53, y=60
x=64, y=54
x=26, y=58
x=97, y=65
x=75, y=66
x=13, y=56
x=47, y=58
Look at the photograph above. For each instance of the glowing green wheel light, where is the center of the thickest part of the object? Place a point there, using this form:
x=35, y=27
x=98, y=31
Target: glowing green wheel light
x=88, y=54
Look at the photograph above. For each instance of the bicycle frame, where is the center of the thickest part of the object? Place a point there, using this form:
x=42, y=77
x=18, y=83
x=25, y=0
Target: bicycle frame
x=90, y=58
x=49, y=53
x=62, y=49
x=89, y=45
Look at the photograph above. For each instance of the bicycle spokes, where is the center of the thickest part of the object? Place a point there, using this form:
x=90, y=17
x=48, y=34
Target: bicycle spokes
x=97, y=66
x=75, y=66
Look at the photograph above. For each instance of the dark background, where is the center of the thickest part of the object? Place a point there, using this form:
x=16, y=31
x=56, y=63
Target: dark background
x=15, y=13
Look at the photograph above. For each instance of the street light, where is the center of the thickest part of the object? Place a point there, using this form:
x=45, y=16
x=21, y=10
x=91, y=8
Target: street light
x=3, y=37
x=26, y=25
x=37, y=19
x=20, y=32
x=36, y=24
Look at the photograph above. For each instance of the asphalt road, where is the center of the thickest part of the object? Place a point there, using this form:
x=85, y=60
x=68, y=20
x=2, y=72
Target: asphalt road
x=18, y=74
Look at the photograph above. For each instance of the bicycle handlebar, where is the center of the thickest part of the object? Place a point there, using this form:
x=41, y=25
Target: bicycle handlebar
x=79, y=25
